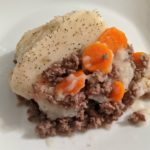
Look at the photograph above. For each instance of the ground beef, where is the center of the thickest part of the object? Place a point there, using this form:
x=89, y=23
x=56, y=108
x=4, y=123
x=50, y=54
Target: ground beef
x=95, y=122
x=106, y=87
x=59, y=70
x=111, y=111
x=54, y=74
x=96, y=116
x=97, y=77
x=114, y=73
x=140, y=71
x=91, y=118
x=73, y=63
x=130, y=95
x=94, y=89
x=145, y=59
x=45, y=128
x=77, y=101
x=106, y=108
x=128, y=99
x=136, y=118
x=97, y=83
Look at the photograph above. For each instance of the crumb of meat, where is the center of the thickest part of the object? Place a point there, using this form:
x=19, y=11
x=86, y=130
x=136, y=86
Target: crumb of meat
x=95, y=122
x=111, y=111
x=95, y=119
x=114, y=73
x=140, y=71
x=130, y=95
x=128, y=98
x=106, y=87
x=73, y=63
x=59, y=70
x=54, y=74
x=106, y=108
x=77, y=101
x=145, y=59
x=45, y=128
x=97, y=77
x=94, y=89
x=64, y=125
x=97, y=83
x=136, y=118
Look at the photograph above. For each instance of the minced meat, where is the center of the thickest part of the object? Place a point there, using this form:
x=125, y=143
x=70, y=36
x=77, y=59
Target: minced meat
x=136, y=118
x=97, y=115
x=59, y=70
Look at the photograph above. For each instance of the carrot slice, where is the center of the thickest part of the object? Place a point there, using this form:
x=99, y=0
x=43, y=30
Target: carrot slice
x=118, y=91
x=137, y=58
x=71, y=84
x=97, y=56
x=114, y=39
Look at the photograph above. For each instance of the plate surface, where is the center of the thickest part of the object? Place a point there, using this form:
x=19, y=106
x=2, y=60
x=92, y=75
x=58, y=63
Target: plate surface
x=18, y=16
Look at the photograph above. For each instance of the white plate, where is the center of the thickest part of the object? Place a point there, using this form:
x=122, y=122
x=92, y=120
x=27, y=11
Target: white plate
x=132, y=16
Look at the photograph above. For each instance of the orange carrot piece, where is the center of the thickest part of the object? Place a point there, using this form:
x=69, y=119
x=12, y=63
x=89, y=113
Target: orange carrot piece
x=72, y=84
x=97, y=56
x=137, y=58
x=118, y=91
x=114, y=39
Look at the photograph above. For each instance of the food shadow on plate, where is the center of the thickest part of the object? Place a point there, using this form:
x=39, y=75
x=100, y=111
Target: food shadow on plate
x=126, y=123
x=12, y=117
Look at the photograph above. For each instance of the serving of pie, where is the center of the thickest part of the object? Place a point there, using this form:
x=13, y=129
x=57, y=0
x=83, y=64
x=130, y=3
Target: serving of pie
x=76, y=73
